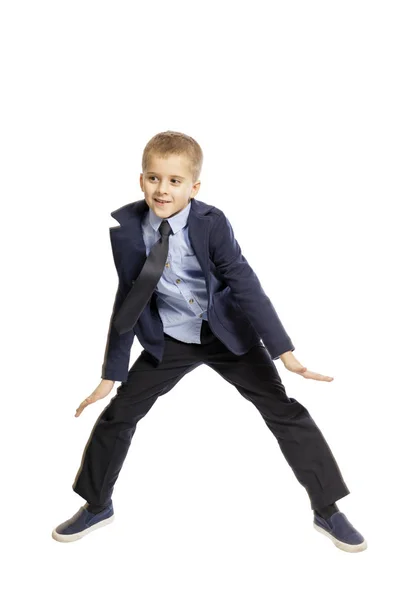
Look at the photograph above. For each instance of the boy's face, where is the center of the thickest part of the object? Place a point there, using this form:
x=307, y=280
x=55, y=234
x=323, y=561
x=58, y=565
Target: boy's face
x=168, y=179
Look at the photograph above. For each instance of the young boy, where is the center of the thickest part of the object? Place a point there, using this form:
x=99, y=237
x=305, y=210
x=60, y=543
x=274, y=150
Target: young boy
x=189, y=295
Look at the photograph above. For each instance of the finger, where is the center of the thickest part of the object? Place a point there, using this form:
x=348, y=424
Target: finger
x=82, y=406
x=325, y=378
x=317, y=376
x=79, y=410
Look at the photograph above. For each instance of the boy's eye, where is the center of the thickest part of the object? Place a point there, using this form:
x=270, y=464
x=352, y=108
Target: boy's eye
x=154, y=177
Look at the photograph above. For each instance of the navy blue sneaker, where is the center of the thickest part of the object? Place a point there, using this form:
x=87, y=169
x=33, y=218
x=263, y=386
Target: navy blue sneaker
x=82, y=523
x=342, y=533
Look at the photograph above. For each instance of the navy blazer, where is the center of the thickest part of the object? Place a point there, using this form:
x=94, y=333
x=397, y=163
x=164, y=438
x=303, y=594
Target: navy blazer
x=239, y=311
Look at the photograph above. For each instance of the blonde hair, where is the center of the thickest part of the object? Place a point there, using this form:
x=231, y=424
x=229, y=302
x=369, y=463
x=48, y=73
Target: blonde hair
x=173, y=142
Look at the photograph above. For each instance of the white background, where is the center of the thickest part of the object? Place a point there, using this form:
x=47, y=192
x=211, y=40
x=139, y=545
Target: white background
x=296, y=108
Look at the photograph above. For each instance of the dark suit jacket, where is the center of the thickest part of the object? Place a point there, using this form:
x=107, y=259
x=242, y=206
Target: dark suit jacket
x=239, y=312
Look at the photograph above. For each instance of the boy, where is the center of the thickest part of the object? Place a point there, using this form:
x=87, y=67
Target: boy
x=189, y=295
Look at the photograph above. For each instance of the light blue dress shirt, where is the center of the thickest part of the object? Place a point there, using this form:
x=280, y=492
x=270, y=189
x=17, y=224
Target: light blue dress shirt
x=181, y=293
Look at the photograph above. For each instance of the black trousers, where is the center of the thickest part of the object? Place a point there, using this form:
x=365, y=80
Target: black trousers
x=254, y=375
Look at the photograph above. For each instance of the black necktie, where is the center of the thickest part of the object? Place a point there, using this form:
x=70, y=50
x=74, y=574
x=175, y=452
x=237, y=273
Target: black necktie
x=145, y=284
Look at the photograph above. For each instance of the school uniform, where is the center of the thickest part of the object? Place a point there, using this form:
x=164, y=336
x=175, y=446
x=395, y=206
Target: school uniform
x=208, y=308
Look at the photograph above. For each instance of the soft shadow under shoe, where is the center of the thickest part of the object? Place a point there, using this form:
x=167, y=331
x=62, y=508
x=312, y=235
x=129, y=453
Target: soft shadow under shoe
x=342, y=533
x=82, y=523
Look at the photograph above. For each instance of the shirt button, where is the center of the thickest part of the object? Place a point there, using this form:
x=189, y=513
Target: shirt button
x=191, y=300
x=201, y=314
x=167, y=264
x=178, y=280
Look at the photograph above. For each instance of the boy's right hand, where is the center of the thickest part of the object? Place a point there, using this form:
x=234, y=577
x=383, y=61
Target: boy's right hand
x=102, y=390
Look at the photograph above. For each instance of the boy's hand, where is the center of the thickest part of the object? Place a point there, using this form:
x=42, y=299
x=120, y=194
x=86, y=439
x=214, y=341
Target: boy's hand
x=102, y=390
x=292, y=364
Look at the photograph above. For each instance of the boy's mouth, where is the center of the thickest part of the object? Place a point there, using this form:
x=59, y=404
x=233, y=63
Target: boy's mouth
x=162, y=201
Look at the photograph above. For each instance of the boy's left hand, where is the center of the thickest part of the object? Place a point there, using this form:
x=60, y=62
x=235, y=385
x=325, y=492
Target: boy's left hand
x=292, y=364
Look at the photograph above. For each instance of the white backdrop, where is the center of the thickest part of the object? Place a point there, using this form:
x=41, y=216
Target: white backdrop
x=295, y=105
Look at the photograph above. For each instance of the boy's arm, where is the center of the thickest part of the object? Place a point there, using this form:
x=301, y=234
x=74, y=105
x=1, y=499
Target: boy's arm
x=246, y=288
x=118, y=347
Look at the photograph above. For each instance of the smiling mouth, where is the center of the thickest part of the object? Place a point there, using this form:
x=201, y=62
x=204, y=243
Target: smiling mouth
x=162, y=201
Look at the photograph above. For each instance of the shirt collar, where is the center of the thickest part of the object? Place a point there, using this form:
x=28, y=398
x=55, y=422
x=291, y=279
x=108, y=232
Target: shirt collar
x=177, y=222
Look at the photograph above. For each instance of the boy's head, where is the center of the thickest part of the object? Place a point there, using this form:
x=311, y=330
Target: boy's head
x=171, y=166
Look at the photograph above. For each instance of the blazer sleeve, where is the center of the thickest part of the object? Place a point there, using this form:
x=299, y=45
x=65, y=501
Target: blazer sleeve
x=234, y=269
x=118, y=347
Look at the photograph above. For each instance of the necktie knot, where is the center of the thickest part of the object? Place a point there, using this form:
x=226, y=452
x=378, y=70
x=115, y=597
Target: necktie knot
x=165, y=228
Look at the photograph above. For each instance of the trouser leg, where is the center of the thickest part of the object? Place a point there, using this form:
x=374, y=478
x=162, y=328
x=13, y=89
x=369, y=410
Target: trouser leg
x=257, y=379
x=112, y=433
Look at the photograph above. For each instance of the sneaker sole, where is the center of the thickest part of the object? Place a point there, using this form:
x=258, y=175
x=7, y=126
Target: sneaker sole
x=73, y=537
x=342, y=545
